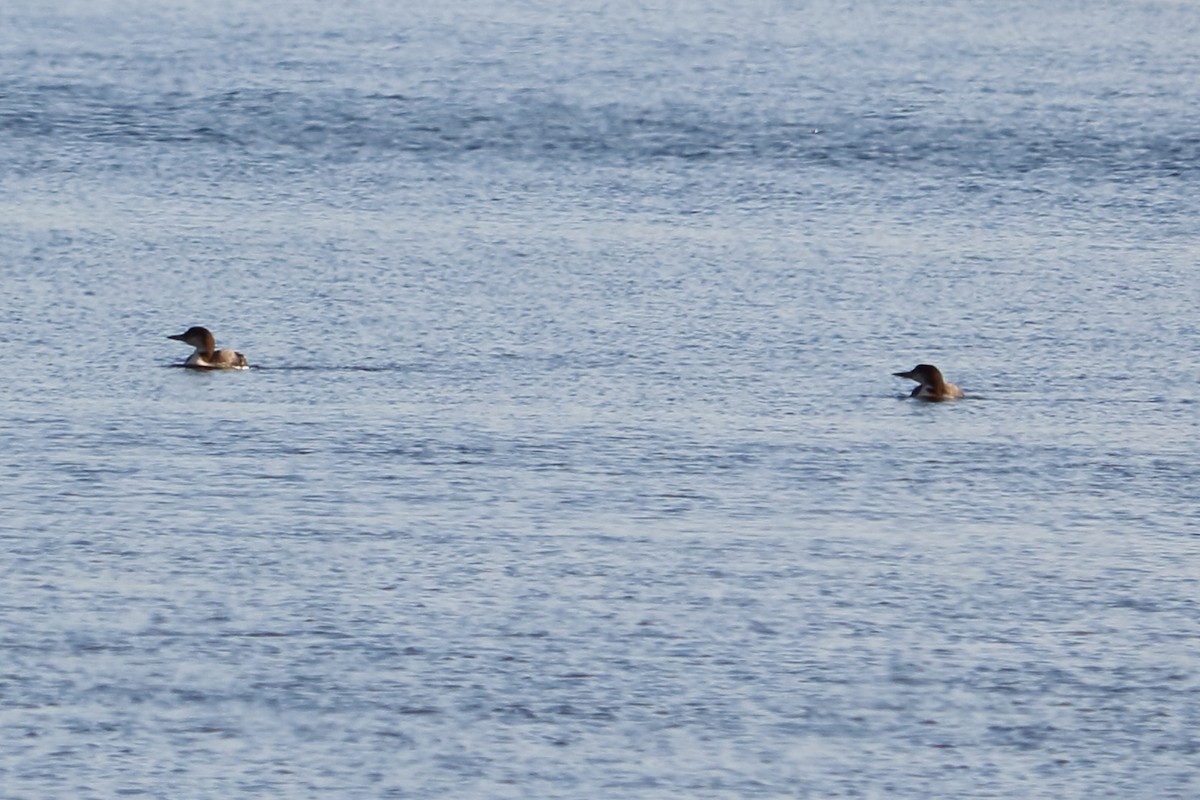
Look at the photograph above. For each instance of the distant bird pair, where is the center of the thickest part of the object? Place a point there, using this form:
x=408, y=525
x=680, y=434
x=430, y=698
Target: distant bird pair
x=932, y=386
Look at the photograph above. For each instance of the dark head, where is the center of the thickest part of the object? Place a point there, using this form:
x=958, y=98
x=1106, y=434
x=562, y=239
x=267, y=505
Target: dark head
x=198, y=337
x=925, y=374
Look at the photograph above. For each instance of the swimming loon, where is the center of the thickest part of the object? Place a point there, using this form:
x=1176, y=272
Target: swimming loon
x=206, y=356
x=933, y=385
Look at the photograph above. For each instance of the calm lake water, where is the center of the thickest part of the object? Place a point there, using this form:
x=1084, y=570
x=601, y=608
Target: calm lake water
x=571, y=464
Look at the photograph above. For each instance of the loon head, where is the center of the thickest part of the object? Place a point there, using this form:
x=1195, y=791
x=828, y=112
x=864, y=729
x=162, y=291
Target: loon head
x=198, y=337
x=924, y=374
x=932, y=385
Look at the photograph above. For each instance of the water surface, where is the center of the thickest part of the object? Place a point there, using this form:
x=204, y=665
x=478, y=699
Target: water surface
x=571, y=464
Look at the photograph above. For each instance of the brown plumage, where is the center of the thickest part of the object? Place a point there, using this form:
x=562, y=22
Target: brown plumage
x=932, y=385
x=206, y=355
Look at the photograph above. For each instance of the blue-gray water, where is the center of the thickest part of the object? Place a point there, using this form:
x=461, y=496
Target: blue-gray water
x=572, y=465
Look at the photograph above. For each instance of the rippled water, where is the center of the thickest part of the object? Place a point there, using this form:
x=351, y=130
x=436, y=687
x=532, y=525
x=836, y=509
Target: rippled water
x=571, y=464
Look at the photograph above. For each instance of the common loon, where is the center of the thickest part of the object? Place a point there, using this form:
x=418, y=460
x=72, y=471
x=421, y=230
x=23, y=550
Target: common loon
x=932, y=385
x=206, y=355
